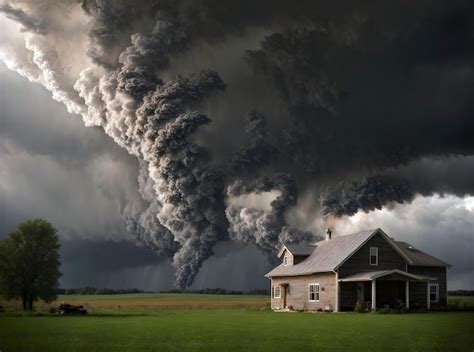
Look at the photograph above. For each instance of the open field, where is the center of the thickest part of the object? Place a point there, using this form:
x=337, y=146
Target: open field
x=461, y=301
x=239, y=330
x=153, y=322
x=154, y=301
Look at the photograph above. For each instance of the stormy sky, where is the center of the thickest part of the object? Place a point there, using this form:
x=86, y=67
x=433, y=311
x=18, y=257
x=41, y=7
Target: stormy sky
x=180, y=143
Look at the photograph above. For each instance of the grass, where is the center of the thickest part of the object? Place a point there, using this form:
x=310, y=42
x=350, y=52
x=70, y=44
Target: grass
x=461, y=302
x=153, y=301
x=229, y=329
x=239, y=330
x=146, y=301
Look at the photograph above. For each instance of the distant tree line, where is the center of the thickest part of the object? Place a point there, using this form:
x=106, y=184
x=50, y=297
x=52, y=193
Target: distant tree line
x=109, y=291
x=96, y=291
x=220, y=291
x=461, y=293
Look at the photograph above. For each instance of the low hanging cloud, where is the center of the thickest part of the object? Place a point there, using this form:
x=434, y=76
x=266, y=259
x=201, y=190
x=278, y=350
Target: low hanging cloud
x=363, y=94
x=52, y=167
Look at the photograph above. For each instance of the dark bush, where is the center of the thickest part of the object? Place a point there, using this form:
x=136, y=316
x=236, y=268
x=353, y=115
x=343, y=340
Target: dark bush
x=360, y=307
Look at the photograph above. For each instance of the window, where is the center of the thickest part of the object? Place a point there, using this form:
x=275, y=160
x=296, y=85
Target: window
x=285, y=260
x=374, y=256
x=276, y=292
x=434, y=292
x=314, y=292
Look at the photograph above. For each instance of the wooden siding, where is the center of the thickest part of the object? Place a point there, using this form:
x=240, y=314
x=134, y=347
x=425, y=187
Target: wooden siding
x=388, y=258
x=286, y=253
x=418, y=295
x=439, y=274
x=298, y=291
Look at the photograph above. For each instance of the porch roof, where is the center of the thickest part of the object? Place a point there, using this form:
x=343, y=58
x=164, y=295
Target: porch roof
x=373, y=275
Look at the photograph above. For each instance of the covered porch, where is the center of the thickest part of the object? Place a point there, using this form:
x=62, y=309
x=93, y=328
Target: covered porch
x=383, y=289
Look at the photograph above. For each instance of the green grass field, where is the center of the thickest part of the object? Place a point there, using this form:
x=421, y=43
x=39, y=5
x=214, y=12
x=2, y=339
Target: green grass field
x=229, y=328
x=461, y=301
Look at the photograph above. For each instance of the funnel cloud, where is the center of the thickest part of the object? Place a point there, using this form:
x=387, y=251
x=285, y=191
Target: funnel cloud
x=241, y=113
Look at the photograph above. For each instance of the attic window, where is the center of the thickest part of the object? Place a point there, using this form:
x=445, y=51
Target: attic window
x=285, y=260
x=374, y=256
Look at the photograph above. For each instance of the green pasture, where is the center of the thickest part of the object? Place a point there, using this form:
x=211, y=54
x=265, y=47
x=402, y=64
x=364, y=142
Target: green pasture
x=230, y=329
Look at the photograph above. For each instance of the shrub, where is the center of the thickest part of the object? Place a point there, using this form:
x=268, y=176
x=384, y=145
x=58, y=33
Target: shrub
x=384, y=311
x=388, y=310
x=360, y=307
x=53, y=310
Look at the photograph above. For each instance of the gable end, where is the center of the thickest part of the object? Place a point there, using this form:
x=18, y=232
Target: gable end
x=386, y=238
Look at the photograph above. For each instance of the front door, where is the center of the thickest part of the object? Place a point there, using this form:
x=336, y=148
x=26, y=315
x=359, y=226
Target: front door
x=360, y=292
x=284, y=296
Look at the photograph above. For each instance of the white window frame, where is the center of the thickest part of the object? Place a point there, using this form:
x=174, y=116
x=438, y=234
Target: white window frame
x=285, y=260
x=437, y=292
x=275, y=292
x=376, y=255
x=316, y=292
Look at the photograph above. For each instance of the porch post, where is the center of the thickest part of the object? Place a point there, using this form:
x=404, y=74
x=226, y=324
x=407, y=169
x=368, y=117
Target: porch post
x=428, y=303
x=407, y=294
x=337, y=293
x=374, y=295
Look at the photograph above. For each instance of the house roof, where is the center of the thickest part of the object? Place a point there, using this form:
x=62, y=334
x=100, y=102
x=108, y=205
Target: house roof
x=371, y=275
x=420, y=258
x=297, y=249
x=329, y=255
x=326, y=255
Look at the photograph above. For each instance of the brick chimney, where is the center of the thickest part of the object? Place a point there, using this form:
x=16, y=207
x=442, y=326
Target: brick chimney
x=328, y=234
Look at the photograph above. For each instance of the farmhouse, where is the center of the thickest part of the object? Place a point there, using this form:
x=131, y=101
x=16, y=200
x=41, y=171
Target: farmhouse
x=367, y=267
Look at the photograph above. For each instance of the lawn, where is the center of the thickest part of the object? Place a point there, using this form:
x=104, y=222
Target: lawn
x=239, y=330
x=225, y=326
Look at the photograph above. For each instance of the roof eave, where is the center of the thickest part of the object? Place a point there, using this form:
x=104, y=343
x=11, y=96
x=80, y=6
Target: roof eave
x=445, y=265
x=282, y=250
x=298, y=274
x=386, y=273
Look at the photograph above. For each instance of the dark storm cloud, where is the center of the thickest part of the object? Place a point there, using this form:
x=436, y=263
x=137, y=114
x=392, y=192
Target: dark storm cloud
x=29, y=23
x=49, y=161
x=362, y=89
x=424, y=177
x=101, y=264
x=347, y=198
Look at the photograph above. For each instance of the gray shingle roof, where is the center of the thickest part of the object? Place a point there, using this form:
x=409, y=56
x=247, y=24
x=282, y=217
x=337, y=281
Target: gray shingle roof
x=300, y=249
x=418, y=257
x=326, y=255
